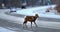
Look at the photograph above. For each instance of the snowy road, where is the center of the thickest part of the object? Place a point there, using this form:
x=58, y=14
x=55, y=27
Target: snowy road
x=14, y=24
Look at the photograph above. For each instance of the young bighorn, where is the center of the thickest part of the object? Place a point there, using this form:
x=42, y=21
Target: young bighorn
x=48, y=9
x=30, y=19
x=52, y=10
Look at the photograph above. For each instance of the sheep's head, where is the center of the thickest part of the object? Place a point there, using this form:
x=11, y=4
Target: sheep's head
x=36, y=15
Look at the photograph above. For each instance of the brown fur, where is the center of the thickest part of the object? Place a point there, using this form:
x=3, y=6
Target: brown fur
x=31, y=19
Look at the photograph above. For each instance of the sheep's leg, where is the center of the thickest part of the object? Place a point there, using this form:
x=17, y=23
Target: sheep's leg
x=24, y=24
x=35, y=24
x=31, y=24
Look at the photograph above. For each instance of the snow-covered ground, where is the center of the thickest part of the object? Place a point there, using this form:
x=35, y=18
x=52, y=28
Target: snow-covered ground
x=40, y=10
x=5, y=30
x=12, y=30
x=10, y=23
x=32, y=10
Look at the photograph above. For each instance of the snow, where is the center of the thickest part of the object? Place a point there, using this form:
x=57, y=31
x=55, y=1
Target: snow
x=40, y=10
x=5, y=30
x=8, y=30
x=41, y=24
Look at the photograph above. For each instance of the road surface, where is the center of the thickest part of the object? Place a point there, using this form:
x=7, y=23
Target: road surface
x=14, y=24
